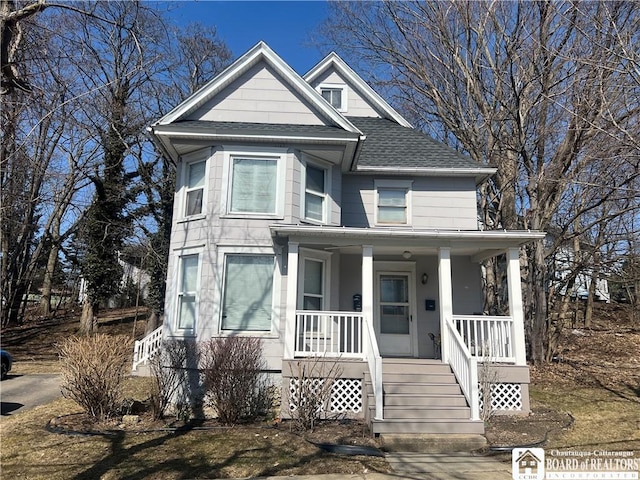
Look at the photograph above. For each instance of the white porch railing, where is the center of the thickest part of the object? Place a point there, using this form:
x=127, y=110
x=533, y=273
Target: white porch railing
x=344, y=335
x=330, y=334
x=144, y=349
x=487, y=338
x=464, y=366
x=375, y=367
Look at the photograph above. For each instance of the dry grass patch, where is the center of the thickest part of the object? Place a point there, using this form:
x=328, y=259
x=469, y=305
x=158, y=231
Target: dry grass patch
x=30, y=451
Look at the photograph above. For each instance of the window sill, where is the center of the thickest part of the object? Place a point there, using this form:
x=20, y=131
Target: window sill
x=313, y=222
x=247, y=333
x=253, y=216
x=193, y=218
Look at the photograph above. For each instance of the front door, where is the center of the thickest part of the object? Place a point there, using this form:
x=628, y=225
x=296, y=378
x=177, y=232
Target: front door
x=394, y=315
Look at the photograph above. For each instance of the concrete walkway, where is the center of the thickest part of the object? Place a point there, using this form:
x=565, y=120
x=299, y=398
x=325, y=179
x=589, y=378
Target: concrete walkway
x=428, y=466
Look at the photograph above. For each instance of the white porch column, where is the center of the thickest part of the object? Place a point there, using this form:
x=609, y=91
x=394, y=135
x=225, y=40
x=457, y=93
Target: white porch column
x=367, y=282
x=515, y=305
x=292, y=300
x=445, y=295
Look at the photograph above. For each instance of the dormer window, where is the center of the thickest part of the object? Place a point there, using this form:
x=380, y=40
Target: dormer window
x=335, y=94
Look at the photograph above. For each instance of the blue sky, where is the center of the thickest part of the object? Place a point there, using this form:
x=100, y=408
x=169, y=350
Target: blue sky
x=283, y=25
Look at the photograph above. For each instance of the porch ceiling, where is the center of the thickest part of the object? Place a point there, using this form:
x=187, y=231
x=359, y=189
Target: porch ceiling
x=393, y=241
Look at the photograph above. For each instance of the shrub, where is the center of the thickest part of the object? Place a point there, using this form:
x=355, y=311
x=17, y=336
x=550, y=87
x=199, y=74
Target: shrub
x=234, y=378
x=170, y=376
x=93, y=370
x=312, y=384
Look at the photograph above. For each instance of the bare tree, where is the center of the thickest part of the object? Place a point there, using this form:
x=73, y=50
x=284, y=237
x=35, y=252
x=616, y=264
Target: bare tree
x=530, y=88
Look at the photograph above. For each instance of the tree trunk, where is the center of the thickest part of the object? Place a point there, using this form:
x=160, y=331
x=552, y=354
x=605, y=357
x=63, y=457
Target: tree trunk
x=89, y=318
x=47, y=282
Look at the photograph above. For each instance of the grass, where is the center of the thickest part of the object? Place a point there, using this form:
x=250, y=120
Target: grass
x=604, y=419
x=30, y=451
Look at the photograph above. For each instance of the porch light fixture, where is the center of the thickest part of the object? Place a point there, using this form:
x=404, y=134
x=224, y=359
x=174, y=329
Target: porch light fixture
x=425, y=278
x=406, y=254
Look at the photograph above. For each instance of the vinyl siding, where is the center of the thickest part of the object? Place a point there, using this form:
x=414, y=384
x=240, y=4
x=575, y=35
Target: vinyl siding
x=357, y=106
x=436, y=202
x=259, y=96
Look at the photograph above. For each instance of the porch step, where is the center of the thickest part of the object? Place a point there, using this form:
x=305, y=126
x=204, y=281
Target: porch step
x=413, y=388
x=424, y=412
x=422, y=400
x=443, y=426
x=421, y=397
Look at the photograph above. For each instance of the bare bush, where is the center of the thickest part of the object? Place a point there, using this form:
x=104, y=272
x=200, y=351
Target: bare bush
x=170, y=376
x=93, y=370
x=488, y=378
x=311, y=392
x=234, y=378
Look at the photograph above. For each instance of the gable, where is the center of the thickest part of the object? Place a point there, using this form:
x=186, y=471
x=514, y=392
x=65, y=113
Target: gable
x=358, y=105
x=259, y=95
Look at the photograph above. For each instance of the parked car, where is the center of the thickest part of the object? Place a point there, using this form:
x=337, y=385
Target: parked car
x=7, y=362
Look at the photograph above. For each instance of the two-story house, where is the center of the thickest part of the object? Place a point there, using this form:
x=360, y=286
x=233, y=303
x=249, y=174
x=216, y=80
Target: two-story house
x=310, y=213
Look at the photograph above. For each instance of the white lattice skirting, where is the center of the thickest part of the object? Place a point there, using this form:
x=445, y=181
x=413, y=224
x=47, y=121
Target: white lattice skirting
x=346, y=394
x=505, y=397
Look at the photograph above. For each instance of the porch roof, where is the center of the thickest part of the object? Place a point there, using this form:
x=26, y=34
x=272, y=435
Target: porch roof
x=388, y=240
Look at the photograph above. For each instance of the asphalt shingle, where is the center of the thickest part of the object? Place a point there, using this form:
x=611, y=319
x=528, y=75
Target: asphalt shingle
x=389, y=144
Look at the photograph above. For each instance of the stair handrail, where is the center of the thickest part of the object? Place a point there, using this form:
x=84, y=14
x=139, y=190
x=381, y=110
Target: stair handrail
x=144, y=349
x=464, y=366
x=375, y=367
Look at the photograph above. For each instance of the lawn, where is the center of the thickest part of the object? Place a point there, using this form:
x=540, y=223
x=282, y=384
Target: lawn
x=589, y=400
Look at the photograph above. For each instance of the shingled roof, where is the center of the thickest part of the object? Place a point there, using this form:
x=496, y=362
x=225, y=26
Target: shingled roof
x=389, y=144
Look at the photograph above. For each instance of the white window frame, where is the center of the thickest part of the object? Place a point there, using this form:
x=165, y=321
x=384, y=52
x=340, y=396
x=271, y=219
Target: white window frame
x=187, y=160
x=317, y=256
x=325, y=195
x=277, y=154
x=344, y=101
x=177, y=290
x=218, y=296
x=407, y=186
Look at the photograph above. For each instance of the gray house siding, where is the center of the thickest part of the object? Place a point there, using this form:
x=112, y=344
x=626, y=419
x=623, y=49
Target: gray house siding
x=259, y=96
x=357, y=106
x=437, y=202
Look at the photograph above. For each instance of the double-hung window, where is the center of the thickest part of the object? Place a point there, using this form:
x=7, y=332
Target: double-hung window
x=335, y=94
x=393, y=202
x=255, y=184
x=248, y=292
x=195, y=187
x=315, y=193
x=187, y=294
x=313, y=285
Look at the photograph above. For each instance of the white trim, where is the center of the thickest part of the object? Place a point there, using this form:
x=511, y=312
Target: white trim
x=326, y=204
x=264, y=153
x=445, y=294
x=318, y=256
x=515, y=305
x=175, y=287
x=341, y=66
x=260, y=52
x=292, y=286
x=407, y=186
x=344, y=99
x=218, y=293
x=202, y=155
x=391, y=268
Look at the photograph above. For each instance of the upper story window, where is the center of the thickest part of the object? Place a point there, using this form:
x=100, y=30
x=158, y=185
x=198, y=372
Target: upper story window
x=393, y=202
x=335, y=94
x=195, y=188
x=255, y=184
x=315, y=193
x=194, y=183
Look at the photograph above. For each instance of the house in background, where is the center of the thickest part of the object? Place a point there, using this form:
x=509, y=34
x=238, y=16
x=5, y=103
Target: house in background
x=309, y=213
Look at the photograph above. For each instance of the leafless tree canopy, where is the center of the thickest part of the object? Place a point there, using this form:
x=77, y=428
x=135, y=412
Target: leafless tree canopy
x=546, y=92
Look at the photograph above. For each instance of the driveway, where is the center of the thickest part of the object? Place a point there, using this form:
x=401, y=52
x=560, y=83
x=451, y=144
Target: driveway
x=22, y=392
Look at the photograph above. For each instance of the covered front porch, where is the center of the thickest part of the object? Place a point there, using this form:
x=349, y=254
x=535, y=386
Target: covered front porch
x=402, y=294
